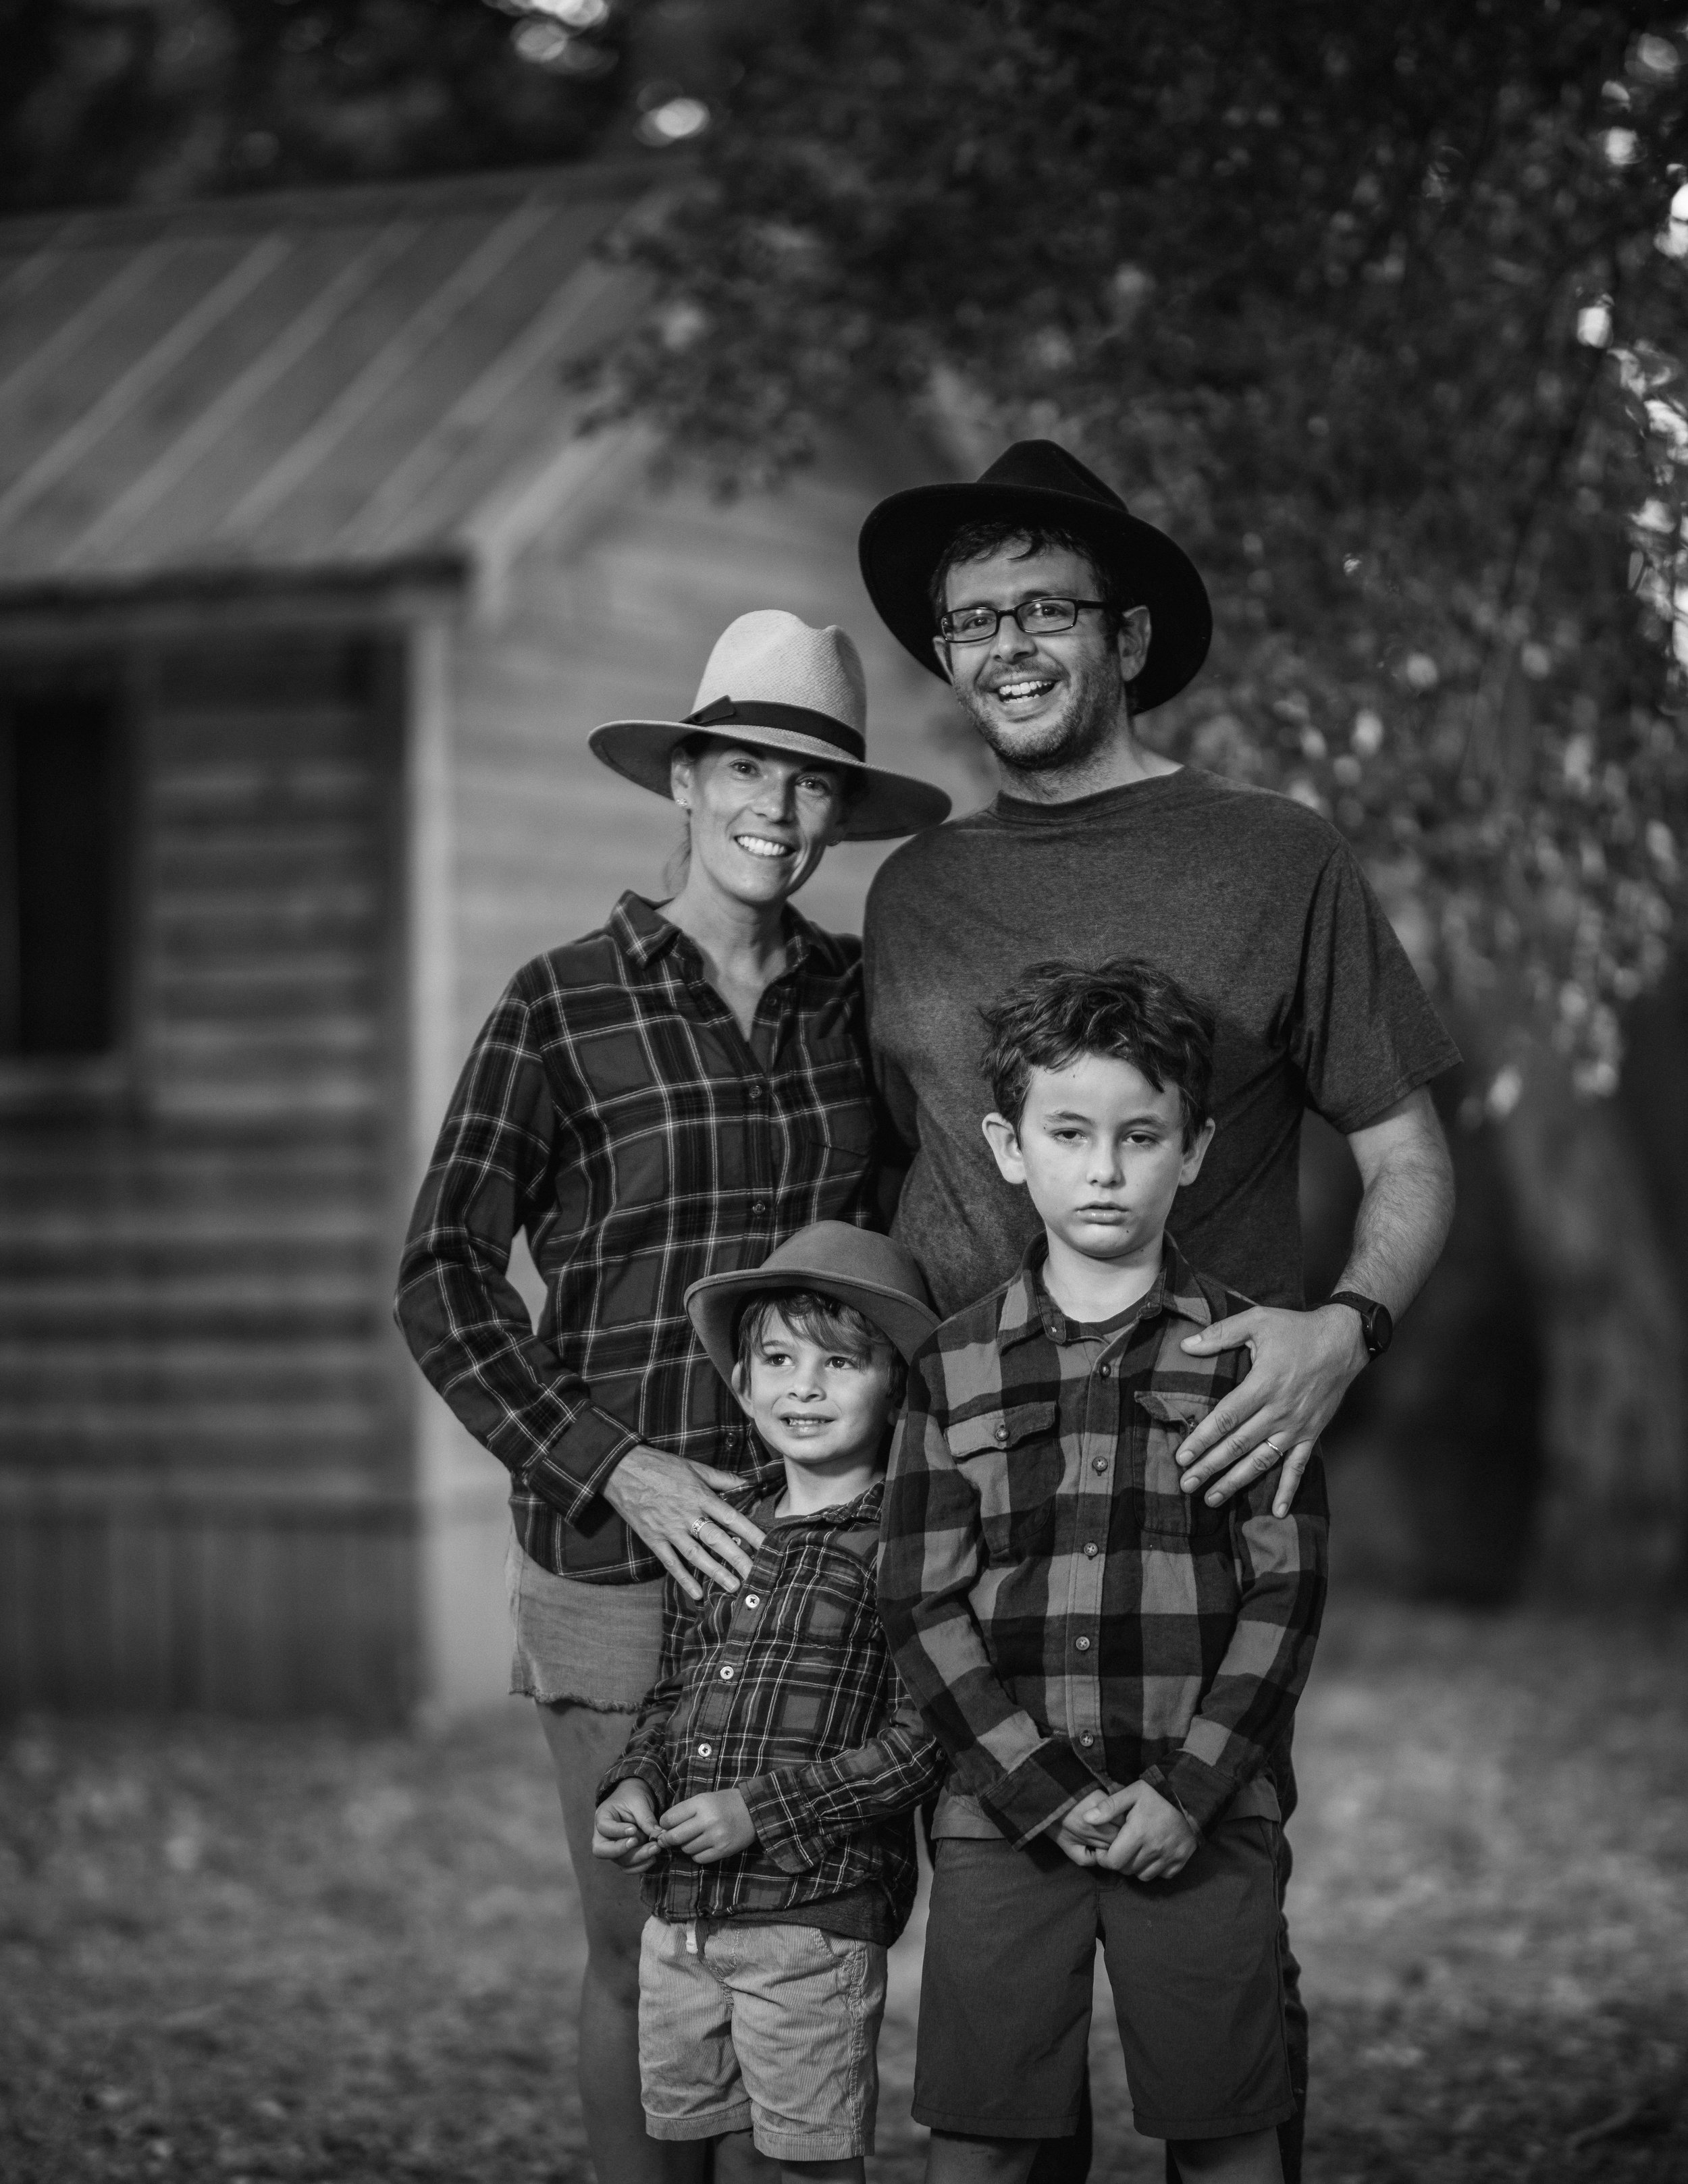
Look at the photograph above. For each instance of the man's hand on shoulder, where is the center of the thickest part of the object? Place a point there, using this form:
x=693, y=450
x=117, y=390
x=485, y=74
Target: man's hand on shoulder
x=1302, y=1363
x=708, y=1827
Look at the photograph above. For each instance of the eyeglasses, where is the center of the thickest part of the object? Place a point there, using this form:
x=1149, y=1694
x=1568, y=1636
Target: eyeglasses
x=1036, y=617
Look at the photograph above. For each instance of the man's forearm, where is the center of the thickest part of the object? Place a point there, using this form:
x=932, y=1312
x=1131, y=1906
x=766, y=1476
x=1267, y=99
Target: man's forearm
x=1407, y=1207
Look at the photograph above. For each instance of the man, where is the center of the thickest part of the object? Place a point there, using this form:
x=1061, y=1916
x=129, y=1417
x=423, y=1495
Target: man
x=1057, y=617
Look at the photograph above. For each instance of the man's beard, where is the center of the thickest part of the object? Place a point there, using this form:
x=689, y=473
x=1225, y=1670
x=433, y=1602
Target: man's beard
x=1072, y=735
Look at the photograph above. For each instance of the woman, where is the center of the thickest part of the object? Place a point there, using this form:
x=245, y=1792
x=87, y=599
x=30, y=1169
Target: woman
x=670, y=1097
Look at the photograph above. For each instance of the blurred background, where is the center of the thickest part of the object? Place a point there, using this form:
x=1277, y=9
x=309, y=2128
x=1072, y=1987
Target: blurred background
x=390, y=390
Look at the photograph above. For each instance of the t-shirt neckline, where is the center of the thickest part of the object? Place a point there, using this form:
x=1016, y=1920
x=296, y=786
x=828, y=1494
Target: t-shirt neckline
x=1156, y=787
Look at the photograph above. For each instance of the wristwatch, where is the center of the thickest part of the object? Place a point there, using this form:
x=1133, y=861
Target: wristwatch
x=1377, y=1328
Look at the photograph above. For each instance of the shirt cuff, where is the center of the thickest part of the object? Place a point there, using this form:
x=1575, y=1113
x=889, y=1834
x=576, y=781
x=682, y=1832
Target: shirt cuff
x=780, y=1822
x=572, y=1471
x=637, y=1769
x=1042, y=1789
x=1199, y=1792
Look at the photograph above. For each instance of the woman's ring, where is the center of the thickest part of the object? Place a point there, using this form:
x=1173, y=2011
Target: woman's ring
x=696, y=1527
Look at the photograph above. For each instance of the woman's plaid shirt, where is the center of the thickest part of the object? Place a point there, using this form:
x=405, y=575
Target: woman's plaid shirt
x=613, y=1109
x=784, y=1691
x=1062, y=1614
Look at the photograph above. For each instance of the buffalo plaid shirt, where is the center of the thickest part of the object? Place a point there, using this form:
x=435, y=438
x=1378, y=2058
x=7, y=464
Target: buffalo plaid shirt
x=784, y=1691
x=613, y=1109
x=1062, y=1615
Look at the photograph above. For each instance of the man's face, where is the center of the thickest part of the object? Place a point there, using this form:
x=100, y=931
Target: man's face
x=1046, y=702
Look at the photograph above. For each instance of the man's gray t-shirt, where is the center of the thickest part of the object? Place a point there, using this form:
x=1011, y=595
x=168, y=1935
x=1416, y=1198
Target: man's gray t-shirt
x=1257, y=905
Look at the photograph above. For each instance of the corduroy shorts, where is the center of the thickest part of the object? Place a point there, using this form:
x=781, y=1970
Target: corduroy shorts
x=773, y=2030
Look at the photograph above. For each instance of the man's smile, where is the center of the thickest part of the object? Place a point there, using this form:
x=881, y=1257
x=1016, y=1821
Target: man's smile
x=1022, y=689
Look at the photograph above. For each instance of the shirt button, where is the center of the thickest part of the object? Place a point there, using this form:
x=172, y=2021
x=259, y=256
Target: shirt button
x=759, y=1209
x=705, y=1751
x=727, y=1673
x=1082, y=1644
x=1087, y=1738
x=1000, y=1429
x=1090, y=1547
x=752, y=1093
x=1103, y=1370
x=1099, y=1463
x=753, y=1600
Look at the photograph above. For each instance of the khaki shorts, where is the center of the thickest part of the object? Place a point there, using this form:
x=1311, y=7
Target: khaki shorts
x=1005, y=2002
x=773, y=2030
x=596, y=1646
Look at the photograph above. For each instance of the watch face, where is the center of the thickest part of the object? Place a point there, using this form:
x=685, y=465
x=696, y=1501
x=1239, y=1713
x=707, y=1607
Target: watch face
x=1379, y=1329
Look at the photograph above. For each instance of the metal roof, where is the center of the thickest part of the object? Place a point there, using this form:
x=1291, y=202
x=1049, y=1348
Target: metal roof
x=336, y=383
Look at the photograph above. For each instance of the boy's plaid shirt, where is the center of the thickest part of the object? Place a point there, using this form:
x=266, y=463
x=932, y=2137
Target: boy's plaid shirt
x=612, y=1108
x=1062, y=1614
x=784, y=1691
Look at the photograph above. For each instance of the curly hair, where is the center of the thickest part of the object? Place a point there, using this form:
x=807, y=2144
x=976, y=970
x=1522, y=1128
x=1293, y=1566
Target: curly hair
x=1056, y=1012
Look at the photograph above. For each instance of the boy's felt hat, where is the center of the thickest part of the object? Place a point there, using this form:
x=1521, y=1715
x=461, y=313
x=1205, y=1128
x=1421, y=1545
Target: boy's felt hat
x=773, y=683
x=851, y=1265
x=1036, y=482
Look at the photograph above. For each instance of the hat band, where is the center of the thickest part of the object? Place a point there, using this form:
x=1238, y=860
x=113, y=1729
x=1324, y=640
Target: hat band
x=795, y=720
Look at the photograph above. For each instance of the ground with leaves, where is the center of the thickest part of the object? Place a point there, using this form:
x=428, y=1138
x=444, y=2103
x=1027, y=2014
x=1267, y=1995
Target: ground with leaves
x=233, y=1952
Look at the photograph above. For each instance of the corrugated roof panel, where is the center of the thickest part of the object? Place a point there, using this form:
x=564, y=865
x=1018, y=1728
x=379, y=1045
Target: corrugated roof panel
x=337, y=379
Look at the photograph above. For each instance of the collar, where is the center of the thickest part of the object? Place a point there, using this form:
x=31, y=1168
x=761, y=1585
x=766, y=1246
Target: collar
x=644, y=935
x=1025, y=1312
x=865, y=1509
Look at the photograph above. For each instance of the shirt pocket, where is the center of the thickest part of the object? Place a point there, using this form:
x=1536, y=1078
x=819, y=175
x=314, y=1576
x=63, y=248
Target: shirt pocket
x=1169, y=1515
x=1012, y=1459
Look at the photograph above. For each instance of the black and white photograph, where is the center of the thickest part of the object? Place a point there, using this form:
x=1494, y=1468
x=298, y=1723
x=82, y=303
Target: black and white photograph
x=843, y=1092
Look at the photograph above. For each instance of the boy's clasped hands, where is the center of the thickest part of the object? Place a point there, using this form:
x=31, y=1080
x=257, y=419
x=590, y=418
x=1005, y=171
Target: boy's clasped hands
x=627, y=1829
x=1135, y=1831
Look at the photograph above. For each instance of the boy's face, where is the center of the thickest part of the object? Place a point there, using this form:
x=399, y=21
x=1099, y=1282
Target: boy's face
x=1102, y=1154
x=816, y=1404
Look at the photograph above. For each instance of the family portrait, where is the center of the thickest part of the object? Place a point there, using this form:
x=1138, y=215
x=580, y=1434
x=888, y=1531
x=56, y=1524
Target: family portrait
x=841, y=1023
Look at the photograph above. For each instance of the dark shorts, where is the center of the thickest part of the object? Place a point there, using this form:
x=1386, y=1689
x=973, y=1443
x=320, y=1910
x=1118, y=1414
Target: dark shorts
x=1004, y=2004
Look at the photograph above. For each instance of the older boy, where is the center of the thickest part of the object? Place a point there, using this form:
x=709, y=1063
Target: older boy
x=768, y=1788
x=1109, y=1664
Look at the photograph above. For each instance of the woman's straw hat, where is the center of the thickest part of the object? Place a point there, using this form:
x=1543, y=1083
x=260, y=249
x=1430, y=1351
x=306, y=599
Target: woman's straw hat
x=772, y=683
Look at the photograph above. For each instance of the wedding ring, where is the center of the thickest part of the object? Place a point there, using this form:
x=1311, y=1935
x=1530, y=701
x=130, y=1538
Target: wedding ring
x=1274, y=1446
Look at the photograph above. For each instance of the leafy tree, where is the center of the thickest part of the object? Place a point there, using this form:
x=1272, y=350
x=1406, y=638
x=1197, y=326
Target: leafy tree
x=1379, y=309
x=107, y=99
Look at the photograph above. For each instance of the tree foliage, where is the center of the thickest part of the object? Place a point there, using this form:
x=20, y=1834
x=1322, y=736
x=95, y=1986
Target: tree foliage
x=101, y=100
x=1379, y=309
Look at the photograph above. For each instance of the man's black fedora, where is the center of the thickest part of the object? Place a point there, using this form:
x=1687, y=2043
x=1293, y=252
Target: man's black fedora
x=1036, y=481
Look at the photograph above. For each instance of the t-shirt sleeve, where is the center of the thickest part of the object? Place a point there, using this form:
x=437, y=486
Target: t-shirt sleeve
x=1364, y=1034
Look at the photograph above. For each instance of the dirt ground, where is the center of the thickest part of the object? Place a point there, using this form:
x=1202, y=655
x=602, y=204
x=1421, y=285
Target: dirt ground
x=232, y=1952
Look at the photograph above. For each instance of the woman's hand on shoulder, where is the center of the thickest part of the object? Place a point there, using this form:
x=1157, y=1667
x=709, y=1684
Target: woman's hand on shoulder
x=675, y=1508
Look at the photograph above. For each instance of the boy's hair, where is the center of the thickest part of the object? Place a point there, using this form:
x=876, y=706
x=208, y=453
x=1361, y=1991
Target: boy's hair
x=1054, y=1012
x=822, y=1319
x=977, y=541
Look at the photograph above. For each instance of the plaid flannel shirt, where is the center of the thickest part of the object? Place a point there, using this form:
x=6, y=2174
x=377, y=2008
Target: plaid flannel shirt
x=784, y=1690
x=1062, y=1615
x=612, y=1109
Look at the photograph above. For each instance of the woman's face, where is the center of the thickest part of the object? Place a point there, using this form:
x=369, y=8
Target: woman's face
x=760, y=821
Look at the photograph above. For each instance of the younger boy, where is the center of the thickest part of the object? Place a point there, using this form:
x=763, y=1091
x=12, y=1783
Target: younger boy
x=1109, y=1664
x=768, y=1789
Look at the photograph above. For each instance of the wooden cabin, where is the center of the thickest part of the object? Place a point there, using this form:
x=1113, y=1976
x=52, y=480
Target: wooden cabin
x=310, y=593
